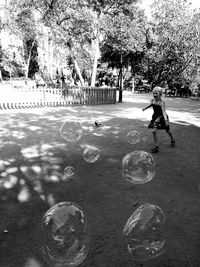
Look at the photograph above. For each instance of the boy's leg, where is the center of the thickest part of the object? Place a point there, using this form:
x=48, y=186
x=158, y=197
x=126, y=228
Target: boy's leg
x=155, y=137
x=172, y=139
x=170, y=134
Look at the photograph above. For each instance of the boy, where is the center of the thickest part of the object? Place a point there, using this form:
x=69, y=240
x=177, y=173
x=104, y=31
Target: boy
x=160, y=119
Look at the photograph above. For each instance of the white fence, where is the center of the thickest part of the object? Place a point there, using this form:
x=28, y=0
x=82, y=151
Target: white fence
x=26, y=96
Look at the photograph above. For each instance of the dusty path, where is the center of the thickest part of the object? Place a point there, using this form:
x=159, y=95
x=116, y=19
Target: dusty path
x=30, y=139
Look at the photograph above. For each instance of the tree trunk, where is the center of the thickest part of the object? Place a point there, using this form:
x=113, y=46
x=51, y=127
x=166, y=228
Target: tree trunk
x=133, y=85
x=120, y=81
x=96, y=55
x=1, y=79
x=29, y=58
x=78, y=71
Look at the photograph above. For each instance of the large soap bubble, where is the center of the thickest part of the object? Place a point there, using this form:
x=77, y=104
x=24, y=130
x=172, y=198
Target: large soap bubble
x=133, y=137
x=144, y=233
x=138, y=167
x=71, y=131
x=91, y=154
x=65, y=235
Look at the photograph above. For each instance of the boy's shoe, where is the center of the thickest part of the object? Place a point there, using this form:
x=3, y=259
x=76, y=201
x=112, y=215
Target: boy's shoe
x=173, y=143
x=155, y=149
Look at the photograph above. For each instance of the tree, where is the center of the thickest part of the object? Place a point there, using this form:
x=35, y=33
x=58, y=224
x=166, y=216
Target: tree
x=78, y=24
x=124, y=44
x=69, y=26
x=8, y=66
x=23, y=24
x=173, y=41
x=1, y=53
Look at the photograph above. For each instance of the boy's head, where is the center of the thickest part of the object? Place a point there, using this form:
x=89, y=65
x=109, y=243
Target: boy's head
x=157, y=91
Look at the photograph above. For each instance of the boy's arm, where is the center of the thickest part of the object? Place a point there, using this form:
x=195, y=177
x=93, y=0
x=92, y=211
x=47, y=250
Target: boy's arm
x=164, y=111
x=147, y=107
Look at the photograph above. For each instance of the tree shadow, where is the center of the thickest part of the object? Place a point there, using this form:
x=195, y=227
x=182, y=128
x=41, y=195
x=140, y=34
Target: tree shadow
x=32, y=179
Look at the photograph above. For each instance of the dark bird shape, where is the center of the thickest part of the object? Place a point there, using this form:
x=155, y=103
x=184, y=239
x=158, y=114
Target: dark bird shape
x=97, y=124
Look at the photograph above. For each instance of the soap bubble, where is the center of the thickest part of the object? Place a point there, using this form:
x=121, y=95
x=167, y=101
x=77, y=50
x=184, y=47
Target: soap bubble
x=138, y=167
x=71, y=131
x=91, y=154
x=69, y=171
x=133, y=137
x=65, y=235
x=144, y=233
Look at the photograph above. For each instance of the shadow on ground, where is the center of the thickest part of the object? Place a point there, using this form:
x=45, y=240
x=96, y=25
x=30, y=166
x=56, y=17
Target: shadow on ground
x=32, y=163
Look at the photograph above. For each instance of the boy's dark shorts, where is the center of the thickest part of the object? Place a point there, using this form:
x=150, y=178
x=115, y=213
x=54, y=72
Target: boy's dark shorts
x=158, y=123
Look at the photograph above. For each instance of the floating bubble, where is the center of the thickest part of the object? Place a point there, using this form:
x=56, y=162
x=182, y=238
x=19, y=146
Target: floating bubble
x=138, y=167
x=71, y=131
x=91, y=154
x=65, y=235
x=69, y=171
x=144, y=233
x=133, y=137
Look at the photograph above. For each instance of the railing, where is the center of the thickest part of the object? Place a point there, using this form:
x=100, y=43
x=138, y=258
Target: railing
x=29, y=97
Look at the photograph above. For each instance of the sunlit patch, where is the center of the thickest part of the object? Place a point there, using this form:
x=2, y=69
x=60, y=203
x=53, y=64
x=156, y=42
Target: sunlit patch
x=98, y=134
x=51, y=200
x=3, y=174
x=18, y=134
x=42, y=196
x=52, y=174
x=115, y=131
x=31, y=262
x=106, y=128
x=31, y=171
x=45, y=147
x=189, y=118
x=37, y=169
x=24, y=194
x=12, y=170
x=113, y=160
x=8, y=181
x=22, y=182
x=30, y=152
x=3, y=164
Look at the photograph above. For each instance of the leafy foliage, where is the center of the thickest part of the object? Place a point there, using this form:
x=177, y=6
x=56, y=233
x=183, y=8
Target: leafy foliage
x=162, y=49
x=173, y=38
x=124, y=37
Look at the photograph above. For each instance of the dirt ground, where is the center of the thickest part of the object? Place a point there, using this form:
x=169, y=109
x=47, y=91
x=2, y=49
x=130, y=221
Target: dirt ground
x=30, y=138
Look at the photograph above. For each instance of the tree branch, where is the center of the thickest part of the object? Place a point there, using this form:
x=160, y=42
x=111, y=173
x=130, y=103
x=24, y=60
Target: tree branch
x=62, y=20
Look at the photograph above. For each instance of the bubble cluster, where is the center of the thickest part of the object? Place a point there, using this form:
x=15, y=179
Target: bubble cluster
x=71, y=131
x=138, y=167
x=66, y=238
x=133, y=137
x=69, y=171
x=144, y=233
x=91, y=154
